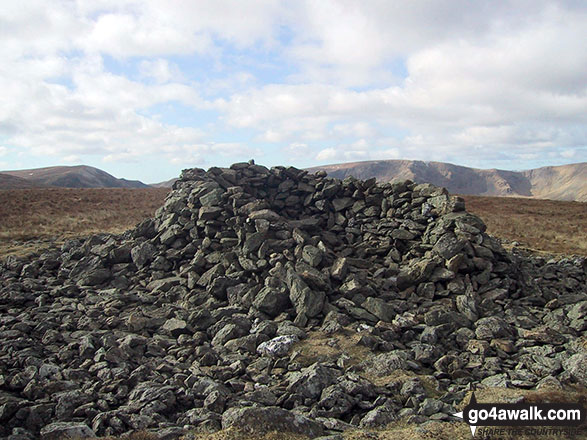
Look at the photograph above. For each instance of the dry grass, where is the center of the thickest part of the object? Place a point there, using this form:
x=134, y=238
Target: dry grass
x=321, y=347
x=139, y=435
x=233, y=434
x=540, y=225
x=30, y=218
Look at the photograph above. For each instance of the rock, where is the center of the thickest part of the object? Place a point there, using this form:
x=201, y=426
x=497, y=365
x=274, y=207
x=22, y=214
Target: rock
x=379, y=417
x=215, y=402
x=142, y=254
x=68, y=401
x=64, y=430
x=430, y=407
x=312, y=380
x=209, y=212
x=272, y=301
x=211, y=198
x=336, y=402
x=256, y=420
x=381, y=309
x=264, y=214
x=492, y=327
x=95, y=277
x=339, y=269
x=385, y=364
x=228, y=332
x=254, y=242
x=306, y=301
x=163, y=285
x=277, y=347
x=176, y=327
x=314, y=278
x=312, y=255
x=402, y=234
x=448, y=246
x=576, y=368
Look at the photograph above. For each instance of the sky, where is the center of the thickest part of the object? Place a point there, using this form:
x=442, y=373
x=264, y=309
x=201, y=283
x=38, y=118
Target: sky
x=145, y=88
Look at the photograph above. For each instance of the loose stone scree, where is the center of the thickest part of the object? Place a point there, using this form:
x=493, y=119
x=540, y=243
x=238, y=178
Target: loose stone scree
x=201, y=317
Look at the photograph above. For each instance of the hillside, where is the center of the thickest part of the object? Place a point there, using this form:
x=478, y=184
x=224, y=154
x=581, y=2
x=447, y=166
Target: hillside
x=8, y=181
x=80, y=176
x=566, y=182
x=167, y=184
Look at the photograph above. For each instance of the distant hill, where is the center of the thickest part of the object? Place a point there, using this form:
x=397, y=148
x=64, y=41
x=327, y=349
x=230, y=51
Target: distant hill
x=80, y=176
x=12, y=182
x=167, y=184
x=565, y=182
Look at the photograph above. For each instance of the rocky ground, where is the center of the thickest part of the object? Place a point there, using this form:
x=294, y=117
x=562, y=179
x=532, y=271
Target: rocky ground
x=277, y=300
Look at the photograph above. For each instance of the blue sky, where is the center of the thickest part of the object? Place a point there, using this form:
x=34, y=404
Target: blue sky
x=143, y=89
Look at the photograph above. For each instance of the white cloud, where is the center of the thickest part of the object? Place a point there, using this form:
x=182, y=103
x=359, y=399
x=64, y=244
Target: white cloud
x=72, y=159
x=340, y=79
x=517, y=85
x=200, y=153
x=327, y=154
x=160, y=70
x=127, y=34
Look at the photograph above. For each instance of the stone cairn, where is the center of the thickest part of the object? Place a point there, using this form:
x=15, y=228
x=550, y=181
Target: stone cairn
x=197, y=319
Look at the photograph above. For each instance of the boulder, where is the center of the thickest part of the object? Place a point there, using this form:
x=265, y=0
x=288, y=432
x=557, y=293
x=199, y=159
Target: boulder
x=262, y=420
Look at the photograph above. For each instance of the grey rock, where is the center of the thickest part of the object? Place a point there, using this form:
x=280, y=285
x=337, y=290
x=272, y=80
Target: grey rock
x=270, y=419
x=215, y=401
x=312, y=255
x=142, y=254
x=314, y=278
x=212, y=198
x=64, y=430
x=492, y=327
x=305, y=300
x=277, y=347
x=264, y=214
x=379, y=417
x=385, y=364
x=209, y=212
x=381, y=309
x=228, y=332
x=163, y=285
x=176, y=327
x=430, y=407
x=272, y=301
x=448, y=246
x=253, y=242
x=335, y=401
x=312, y=380
x=339, y=269
x=576, y=367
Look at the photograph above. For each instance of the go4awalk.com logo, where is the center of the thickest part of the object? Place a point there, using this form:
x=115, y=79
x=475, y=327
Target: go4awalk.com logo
x=536, y=419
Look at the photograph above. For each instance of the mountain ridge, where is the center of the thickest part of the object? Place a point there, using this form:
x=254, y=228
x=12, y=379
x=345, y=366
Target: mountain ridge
x=563, y=182
x=78, y=176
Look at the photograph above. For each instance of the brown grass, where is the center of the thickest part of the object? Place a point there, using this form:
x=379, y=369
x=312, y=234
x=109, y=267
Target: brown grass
x=540, y=225
x=321, y=347
x=30, y=218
